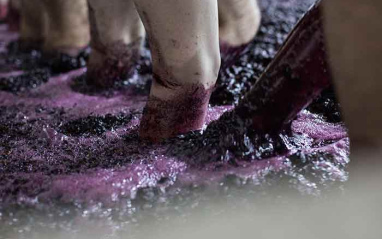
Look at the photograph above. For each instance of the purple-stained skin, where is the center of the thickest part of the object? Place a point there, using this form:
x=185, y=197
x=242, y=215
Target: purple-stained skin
x=230, y=54
x=118, y=59
x=118, y=64
x=50, y=155
x=163, y=119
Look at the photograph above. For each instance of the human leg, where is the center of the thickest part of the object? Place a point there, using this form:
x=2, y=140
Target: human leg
x=117, y=36
x=184, y=42
x=68, y=26
x=33, y=25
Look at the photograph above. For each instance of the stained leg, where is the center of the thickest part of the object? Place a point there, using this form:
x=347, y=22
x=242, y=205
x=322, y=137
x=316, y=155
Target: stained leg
x=68, y=26
x=184, y=42
x=239, y=21
x=33, y=24
x=117, y=36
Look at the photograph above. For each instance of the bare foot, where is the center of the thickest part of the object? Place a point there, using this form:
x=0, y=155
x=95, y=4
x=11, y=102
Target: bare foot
x=239, y=21
x=117, y=35
x=183, y=110
x=184, y=43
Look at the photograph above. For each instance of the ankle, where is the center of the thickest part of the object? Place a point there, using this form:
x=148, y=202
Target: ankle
x=182, y=111
x=113, y=62
x=66, y=50
x=168, y=78
x=176, y=106
x=65, y=45
x=32, y=37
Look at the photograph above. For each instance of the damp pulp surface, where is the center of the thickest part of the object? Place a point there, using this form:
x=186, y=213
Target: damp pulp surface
x=72, y=152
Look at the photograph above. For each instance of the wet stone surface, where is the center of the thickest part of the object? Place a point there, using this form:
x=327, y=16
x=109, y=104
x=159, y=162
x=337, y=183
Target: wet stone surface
x=72, y=151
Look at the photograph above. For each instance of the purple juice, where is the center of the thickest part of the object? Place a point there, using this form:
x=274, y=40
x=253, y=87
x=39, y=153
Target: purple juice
x=63, y=143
